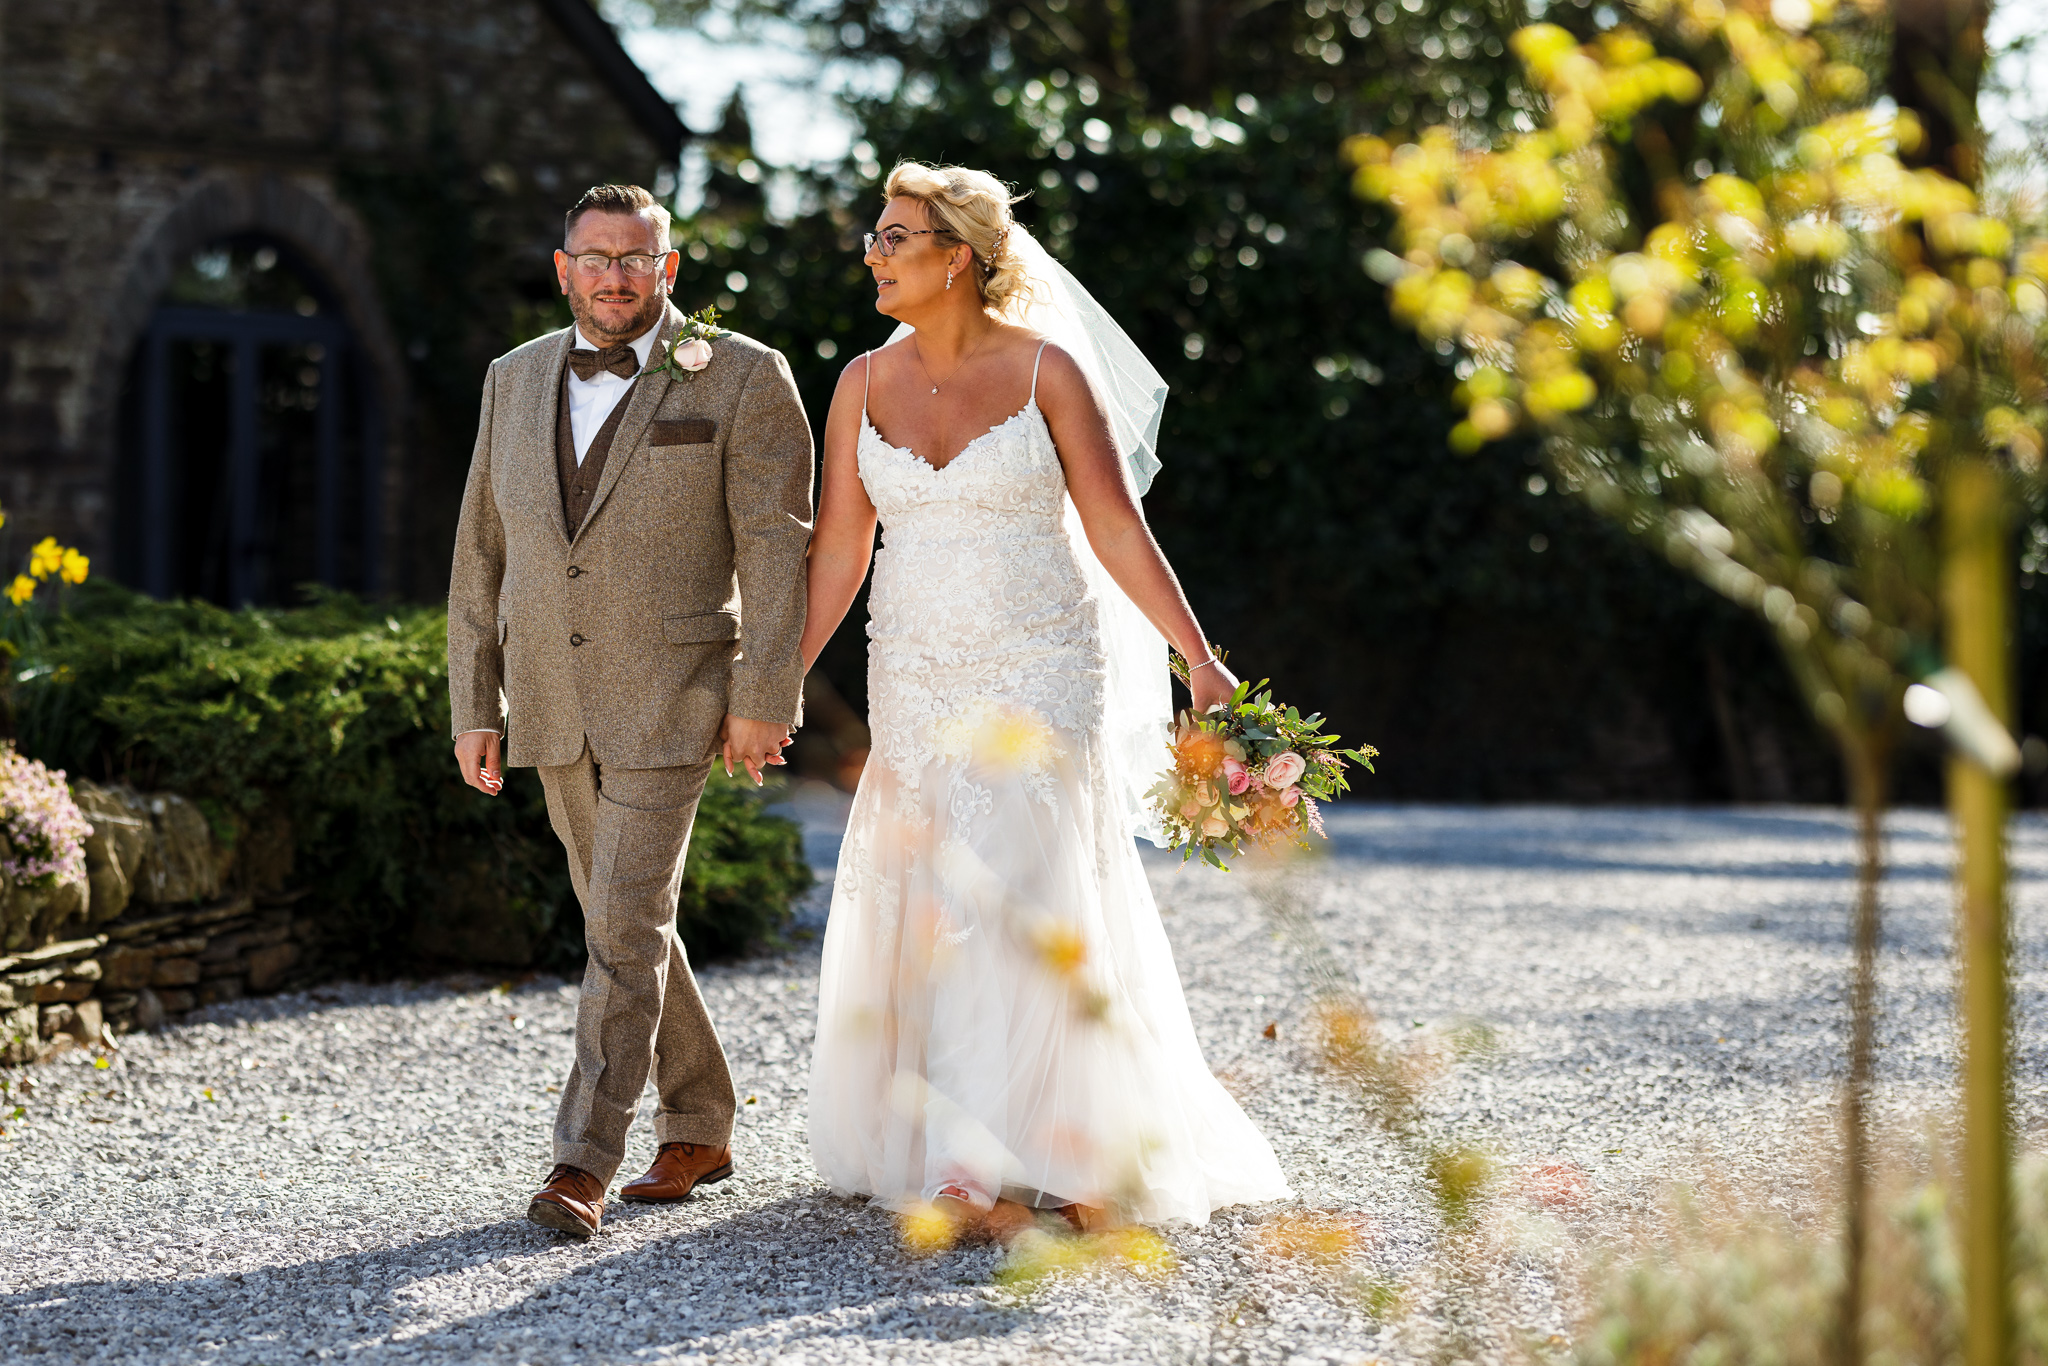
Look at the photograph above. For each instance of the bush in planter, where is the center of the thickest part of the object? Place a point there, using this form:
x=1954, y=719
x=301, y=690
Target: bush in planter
x=316, y=741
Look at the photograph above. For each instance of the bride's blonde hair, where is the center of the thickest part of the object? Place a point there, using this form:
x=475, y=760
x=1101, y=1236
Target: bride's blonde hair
x=970, y=206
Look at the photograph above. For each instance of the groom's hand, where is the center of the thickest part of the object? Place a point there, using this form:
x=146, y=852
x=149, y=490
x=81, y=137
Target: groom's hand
x=476, y=754
x=752, y=744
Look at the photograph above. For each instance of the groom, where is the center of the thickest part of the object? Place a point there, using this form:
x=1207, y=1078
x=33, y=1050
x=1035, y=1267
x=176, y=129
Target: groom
x=626, y=602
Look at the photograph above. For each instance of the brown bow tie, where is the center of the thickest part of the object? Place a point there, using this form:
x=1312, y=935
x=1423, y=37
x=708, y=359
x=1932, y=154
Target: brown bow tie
x=619, y=359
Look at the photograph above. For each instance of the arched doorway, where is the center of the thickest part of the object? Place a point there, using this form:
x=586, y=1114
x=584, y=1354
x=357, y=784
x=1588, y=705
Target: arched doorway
x=254, y=440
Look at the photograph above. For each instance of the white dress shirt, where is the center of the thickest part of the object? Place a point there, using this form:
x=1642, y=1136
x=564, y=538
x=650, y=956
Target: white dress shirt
x=591, y=400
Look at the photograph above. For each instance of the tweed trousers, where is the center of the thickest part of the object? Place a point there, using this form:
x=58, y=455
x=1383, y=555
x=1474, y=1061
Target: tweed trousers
x=626, y=831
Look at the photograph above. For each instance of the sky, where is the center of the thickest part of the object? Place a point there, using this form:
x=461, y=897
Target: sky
x=2023, y=76
x=791, y=93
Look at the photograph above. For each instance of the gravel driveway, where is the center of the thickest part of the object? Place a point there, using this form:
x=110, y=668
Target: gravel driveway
x=1633, y=995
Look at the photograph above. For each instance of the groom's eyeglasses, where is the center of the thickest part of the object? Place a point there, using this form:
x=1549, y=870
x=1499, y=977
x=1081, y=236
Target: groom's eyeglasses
x=636, y=264
x=892, y=239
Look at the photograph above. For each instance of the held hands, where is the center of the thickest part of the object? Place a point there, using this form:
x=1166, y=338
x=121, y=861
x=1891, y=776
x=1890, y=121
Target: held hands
x=752, y=744
x=476, y=754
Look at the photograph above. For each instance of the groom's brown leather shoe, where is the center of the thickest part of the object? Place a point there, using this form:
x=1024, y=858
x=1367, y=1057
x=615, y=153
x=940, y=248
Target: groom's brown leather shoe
x=678, y=1169
x=572, y=1202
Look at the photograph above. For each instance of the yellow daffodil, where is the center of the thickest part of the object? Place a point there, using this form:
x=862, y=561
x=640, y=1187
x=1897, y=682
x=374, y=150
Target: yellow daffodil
x=46, y=559
x=21, y=590
x=74, y=567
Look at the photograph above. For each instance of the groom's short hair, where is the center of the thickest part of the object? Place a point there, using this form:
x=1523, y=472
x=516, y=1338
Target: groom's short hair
x=627, y=199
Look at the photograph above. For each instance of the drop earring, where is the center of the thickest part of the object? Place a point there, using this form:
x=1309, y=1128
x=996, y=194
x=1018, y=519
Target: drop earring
x=949, y=279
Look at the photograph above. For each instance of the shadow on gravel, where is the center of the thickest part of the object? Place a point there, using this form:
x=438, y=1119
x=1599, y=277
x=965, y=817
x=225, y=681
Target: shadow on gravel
x=1630, y=839
x=797, y=1269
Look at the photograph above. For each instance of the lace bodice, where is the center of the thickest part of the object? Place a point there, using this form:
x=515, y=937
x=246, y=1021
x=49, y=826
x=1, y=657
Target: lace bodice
x=979, y=611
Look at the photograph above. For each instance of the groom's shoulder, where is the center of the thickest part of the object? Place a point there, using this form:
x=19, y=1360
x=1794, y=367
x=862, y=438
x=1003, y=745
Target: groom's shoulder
x=530, y=353
x=745, y=345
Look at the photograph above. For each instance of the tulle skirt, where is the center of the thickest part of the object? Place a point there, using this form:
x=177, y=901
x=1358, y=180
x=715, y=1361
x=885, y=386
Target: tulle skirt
x=999, y=1008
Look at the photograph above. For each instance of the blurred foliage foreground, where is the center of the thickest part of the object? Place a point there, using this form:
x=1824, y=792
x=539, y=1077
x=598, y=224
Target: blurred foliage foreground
x=1766, y=321
x=1737, y=1287
x=334, y=716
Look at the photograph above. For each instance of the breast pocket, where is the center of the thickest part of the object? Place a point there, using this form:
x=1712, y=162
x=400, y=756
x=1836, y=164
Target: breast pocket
x=681, y=431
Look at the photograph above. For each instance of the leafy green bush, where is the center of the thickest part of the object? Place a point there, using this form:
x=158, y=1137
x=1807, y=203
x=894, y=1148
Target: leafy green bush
x=324, y=729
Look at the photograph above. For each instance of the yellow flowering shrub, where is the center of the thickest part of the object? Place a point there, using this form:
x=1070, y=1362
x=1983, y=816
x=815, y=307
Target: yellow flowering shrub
x=1757, y=350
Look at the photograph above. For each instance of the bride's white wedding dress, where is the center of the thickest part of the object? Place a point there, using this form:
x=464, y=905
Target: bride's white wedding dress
x=999, y=1009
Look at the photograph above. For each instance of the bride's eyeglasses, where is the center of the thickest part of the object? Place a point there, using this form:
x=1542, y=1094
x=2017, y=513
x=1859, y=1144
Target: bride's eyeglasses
x=891, y=239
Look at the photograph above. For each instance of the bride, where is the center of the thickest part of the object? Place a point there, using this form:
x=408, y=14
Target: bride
x=1000, y=1024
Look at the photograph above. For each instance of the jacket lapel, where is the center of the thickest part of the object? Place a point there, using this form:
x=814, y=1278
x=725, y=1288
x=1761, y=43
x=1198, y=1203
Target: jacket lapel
x=539, y=471
x=647, y=394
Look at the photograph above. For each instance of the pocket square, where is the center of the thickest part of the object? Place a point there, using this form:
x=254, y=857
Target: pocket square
x=688, y=431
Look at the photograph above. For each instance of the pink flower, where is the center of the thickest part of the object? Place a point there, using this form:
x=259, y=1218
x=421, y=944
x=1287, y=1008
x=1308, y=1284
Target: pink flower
x=1215, y=828
x=42, y=832
x=1190, y=808
x=1290, y=796
x=692, y=355
x=1238, y=775
x=1283, y=770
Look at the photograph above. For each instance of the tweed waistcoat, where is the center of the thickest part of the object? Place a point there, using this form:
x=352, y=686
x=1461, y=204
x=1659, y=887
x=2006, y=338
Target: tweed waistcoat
x=579, y=482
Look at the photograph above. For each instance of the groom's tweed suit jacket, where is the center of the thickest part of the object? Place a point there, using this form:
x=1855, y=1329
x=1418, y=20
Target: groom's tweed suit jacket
x=679, y=598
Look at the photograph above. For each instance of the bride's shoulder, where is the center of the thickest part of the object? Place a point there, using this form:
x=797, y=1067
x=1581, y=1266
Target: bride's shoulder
x=1033, y=350
x=1056, y=367
x=856, y=376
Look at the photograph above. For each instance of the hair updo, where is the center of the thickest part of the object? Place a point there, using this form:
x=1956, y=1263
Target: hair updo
x=965, y=205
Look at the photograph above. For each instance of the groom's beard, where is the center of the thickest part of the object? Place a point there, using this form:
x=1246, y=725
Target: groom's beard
x=599, y=308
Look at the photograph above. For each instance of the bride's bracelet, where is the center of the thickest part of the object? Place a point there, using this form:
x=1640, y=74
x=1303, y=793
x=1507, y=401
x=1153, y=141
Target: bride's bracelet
x=1204, y=664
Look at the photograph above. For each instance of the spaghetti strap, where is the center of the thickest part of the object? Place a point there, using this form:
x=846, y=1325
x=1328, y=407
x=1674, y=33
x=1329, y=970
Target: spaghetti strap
x=1036, y=360
x=867, y=377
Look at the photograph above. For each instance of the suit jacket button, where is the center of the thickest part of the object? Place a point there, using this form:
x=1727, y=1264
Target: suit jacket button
x=575, y=640
x=575, y=572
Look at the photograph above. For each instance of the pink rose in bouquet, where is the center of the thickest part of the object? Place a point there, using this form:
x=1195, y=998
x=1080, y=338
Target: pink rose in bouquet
x=1284, y=769
x=1238, y=775
x=1290, y=797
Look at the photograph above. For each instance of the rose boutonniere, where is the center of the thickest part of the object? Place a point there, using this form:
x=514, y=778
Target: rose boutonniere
x=690, y=349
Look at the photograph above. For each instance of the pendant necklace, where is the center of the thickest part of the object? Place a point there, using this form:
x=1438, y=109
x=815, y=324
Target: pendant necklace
x=919, y=353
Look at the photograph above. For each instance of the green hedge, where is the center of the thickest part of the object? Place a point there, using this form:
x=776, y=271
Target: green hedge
x=321, y=734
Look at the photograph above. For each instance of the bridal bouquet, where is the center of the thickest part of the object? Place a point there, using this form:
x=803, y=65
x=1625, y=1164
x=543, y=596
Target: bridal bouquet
x=1252, y=770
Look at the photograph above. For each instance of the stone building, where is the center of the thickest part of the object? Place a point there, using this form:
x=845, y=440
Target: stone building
x=254, y=257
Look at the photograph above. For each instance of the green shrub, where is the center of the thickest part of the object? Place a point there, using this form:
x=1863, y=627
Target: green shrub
x=326, y=727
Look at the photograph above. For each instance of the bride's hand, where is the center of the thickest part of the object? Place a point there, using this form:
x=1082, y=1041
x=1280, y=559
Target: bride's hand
x=1211, y=686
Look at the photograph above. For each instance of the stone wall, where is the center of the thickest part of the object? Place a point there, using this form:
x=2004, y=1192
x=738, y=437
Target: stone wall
x=417, y=157
x=166, y=919
x=144, y=968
